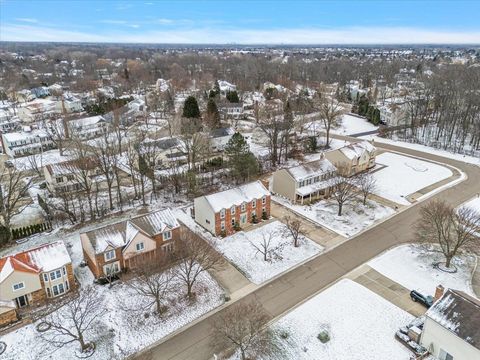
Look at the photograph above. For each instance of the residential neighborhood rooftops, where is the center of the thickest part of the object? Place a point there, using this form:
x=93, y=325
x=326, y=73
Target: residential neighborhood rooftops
x=237, y=196
x=86, y=121
x=459, y=313
x=356, y=150
x=43, y=258
x=119, y=234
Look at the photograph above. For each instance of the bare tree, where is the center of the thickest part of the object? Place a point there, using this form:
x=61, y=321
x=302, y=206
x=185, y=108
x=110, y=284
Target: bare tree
x=343, y=189
x=241, y=327
x=153, y=282
x=70, y=323
x=367, y=184
x=266, y=247
x=194, y=257
x=330, y=110
x=294, y=228
x=452, y=230
x=13, y=187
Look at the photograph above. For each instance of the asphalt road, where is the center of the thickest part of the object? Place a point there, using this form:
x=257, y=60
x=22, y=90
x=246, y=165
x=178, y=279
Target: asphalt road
x=299, y=284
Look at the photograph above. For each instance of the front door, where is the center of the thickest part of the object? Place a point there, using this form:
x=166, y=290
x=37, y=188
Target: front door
x=243, y=219
x=22, y=301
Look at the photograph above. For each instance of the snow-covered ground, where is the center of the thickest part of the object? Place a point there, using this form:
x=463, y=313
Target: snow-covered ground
x=428, y=149
x=351, y=124
x=122, y=331
x=238, y=249
x=355, y=216
x=412, y=267
x=473, y=204
x=404, y=175
x=351, y=315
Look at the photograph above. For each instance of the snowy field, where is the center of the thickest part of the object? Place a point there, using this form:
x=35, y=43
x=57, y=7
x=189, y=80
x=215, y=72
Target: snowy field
x=473, y=204
x=355, y=216
x=428, y=149
x=412, y=267
x=350, y=125
x=239, y=251
x=350, y=313
x=123, y=330
x=404, y=175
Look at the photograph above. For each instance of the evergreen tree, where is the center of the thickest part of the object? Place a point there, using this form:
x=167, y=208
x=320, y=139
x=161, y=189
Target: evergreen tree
x=216, y=88
x=243, y=164
x=190, y=108
x=232, y=96
x=212, y=116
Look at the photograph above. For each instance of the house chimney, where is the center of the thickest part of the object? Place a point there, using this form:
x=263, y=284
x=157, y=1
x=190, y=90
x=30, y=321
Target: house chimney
x=439, y=292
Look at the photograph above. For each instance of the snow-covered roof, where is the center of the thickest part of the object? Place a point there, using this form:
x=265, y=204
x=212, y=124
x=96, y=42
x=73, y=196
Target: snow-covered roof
x=237, y=196
x=458, y=313
x=17, y=136
x=356, y=150
x=120, y=234
x=86, y=121
x=44, y=258
x=311, y=169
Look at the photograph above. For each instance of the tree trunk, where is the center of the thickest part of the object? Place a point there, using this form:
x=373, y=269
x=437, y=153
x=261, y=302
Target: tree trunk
x=340, y=206
x=448, y=260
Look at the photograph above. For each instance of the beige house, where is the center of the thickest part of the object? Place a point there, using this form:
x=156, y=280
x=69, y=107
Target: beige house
x=452, y=327
x=29, y=277
x=304, y=183
x=356, y=157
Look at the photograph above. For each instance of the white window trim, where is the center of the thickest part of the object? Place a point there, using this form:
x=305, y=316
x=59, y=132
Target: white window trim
x=222, y=214
x=20, y=288
x=232, y=210
x=108, y=252
x=264, y=200
x=243, y=207
x=254, y=203
x=138, y=245
x=167, y=235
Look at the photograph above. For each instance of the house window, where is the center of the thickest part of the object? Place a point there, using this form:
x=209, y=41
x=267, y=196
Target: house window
x=109, y=255
x=444, y=355
x=111, y=268
x=233, y=222
x=18, y=286
x=49, y=292
x=244, y=207
x=167, y=235
x=64, y=271
x=222, y=226
x=222, y=214
x=232, y=210
x=140, y=246
x=167, y=248
x=67, y=286
x=55, y=274
x=302, y=183
x=264, y=200
x=45, y=277
x=316, y=179
x=254, y=204
x=70, y=177
x=59, y=179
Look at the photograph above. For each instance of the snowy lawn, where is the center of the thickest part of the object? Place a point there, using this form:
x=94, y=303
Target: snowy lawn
x=350, y=125
x=412, y=267
x=123, y=330
x=428, y=149
x=355, y=216
x=473, y=204
x=360, y=323
x=404, y=176
x=238, y=249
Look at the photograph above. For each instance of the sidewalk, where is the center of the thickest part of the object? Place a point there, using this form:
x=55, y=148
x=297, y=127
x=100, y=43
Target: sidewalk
x=476, y=278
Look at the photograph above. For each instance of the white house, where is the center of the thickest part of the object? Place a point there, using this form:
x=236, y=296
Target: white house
x=452, y=327
x=37, y=110
x=87, y=128
x=17, y=144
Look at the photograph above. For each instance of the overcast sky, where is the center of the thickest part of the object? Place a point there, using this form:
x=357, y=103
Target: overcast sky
x=242, y=22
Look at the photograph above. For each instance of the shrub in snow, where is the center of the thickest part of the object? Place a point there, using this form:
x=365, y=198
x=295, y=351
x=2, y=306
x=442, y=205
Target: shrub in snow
x=264, y=215
x=323, y=336
x=284, y=334
x=3, y=347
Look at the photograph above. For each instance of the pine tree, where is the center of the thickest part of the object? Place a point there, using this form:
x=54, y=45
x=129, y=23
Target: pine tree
x=216, y=88
x=232, y=96
x=243, y=164
x=212, y=116
x=190, y=108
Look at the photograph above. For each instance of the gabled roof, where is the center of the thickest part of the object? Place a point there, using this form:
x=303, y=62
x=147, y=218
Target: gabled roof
x=44, y=258
x=458, y=313
x=72, y=166
x=356, y=150
x=121, y=234
x=314, y=168
x=236, y=196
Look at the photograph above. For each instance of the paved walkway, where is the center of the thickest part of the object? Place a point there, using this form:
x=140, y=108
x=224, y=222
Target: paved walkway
x=386, y=288
x=476, y=278
x=313, y=231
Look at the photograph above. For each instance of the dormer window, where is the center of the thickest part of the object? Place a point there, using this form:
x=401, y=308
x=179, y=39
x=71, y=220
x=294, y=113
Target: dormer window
x=109, y=255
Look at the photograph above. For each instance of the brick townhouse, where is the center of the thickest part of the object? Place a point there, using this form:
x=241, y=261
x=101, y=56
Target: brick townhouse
x=221, y=212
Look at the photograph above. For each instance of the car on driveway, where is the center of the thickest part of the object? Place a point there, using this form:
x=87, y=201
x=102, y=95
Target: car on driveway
x=425, y=300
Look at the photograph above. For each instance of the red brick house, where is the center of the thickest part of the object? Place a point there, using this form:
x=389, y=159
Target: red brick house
x=221, y=212
x=124, y=245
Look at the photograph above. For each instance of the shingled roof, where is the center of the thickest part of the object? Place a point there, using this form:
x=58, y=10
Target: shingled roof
x=460, y=314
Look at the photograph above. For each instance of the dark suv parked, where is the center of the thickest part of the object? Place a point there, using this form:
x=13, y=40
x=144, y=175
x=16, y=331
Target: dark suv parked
x=426, y=301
